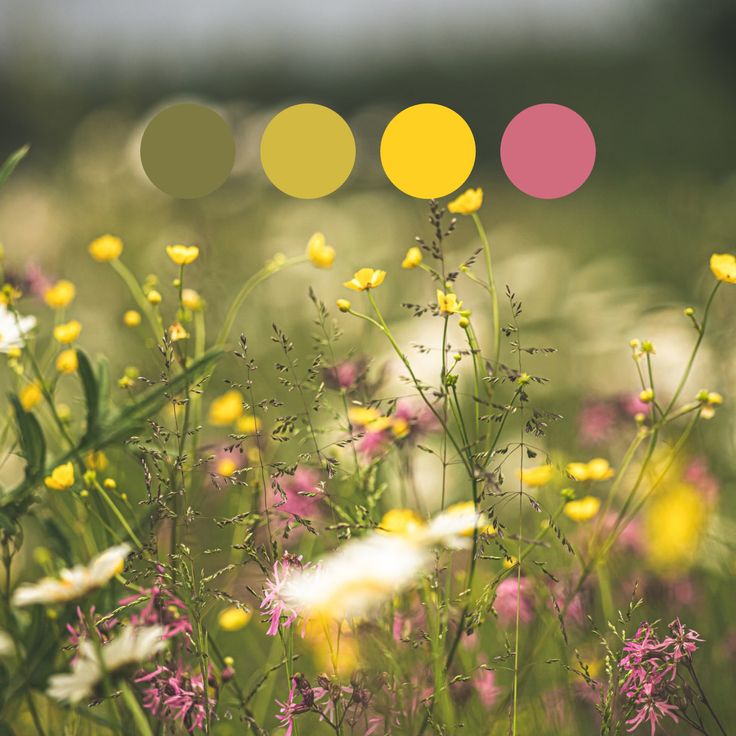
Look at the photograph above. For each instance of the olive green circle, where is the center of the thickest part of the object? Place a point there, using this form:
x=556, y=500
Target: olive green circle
x=187, y=150
x=307, y=151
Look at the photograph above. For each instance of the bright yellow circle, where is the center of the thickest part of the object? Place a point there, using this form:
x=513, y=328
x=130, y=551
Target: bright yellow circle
x=428, y=151
x=307, y=151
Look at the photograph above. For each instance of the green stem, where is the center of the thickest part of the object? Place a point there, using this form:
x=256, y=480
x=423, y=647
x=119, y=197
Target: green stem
x=492, y=284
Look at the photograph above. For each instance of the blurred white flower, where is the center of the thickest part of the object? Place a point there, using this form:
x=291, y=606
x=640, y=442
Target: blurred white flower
x=134, y=646
x=75, y=582
x=453, y=528
x=358, y=577
x=13, y=330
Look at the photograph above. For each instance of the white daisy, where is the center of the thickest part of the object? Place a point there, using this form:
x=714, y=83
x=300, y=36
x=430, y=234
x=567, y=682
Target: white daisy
x=134, y=646
x=75, y=582
x=453, y=528
x=13, y=330
x=357, y=577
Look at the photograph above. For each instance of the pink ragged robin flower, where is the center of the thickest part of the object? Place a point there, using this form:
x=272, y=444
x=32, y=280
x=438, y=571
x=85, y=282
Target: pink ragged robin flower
x=279, y=611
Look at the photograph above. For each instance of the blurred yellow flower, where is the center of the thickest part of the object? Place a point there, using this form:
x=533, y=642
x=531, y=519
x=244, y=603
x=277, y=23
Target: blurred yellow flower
x=401, y=521
x=400, y=427
x=366, y=278
x=467, y=203
x=132, y=318
x=583, y=509
x=674, y=523
x=177, y=332
x=448, y=303
x=66, y=361
x=226, y=409
x=343, y=305
x=368, y=417
x=182, y=255
x=535, y=477
x=412, y=258
x=61, y=478
x=233, y=618
x=30, y=395
x=96, y=460
x=319, y=253
x=226, y=467
x=191, y=300
x=723, y=266
x=596, y=469
x=154, y=297
x=68, y=332
x=106, y=248
x=248, y=424
x=60, y=295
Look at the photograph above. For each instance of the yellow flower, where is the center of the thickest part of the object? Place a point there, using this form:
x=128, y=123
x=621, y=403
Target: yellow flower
x=67, y=332
x=599, y=469
x=400, y=427
x=535, y=477
x=96, y=460
x=674, y=524
x=412, y=258
x=401, y=521
x=366, y=278
x=448, y=303
x=61, y=478
x=226, y=467
x=467, y=203
x=583, y=509
x=723, y=266
x=596, y=469
x=60, y=295
x=30, y=395
x=321, y=254
x=182, y=255
x=233, y=618
x=177, y=332
x=248, y=424
x=577, y=471
x=106, y=248
x=154, y=297
x=132, y=318
x=226, y=409
x=66, y=361
x=343, y=305
x=191, y=300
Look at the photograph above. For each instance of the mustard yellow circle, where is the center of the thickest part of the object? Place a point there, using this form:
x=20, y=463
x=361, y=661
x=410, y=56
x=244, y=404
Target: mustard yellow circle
x=307, y=151
x=428, y=151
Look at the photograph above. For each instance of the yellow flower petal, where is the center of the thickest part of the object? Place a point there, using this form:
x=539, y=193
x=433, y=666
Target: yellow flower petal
x=467, y=203
x=583, y=509
x=182, y=255
x=106, y=248
x=723, y=266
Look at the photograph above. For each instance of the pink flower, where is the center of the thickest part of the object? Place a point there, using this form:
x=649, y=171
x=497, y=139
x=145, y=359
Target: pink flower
x=575, y=612
x=273, y=604
x=649, y=666
x=176, y=695
x=509, y=593
x=596, y=421
x=299, y=494
x=163, y=609
x=484, y=681
x=698, y=473
x=347, y=374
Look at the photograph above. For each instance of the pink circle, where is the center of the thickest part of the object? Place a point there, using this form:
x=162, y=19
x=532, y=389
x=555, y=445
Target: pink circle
x=548, y=151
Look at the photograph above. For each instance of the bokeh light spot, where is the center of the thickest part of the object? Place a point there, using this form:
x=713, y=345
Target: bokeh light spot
x=428, y=151
x=307, y=151
x=187, y=150
x=548, y=151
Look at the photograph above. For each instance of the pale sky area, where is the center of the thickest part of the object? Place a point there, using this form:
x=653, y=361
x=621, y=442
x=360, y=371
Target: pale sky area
x=90, y=36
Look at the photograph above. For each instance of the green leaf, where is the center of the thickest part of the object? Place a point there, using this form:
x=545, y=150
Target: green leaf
x=11, y=162
x=118, y=426
x=32, y=442
x=91, y=395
